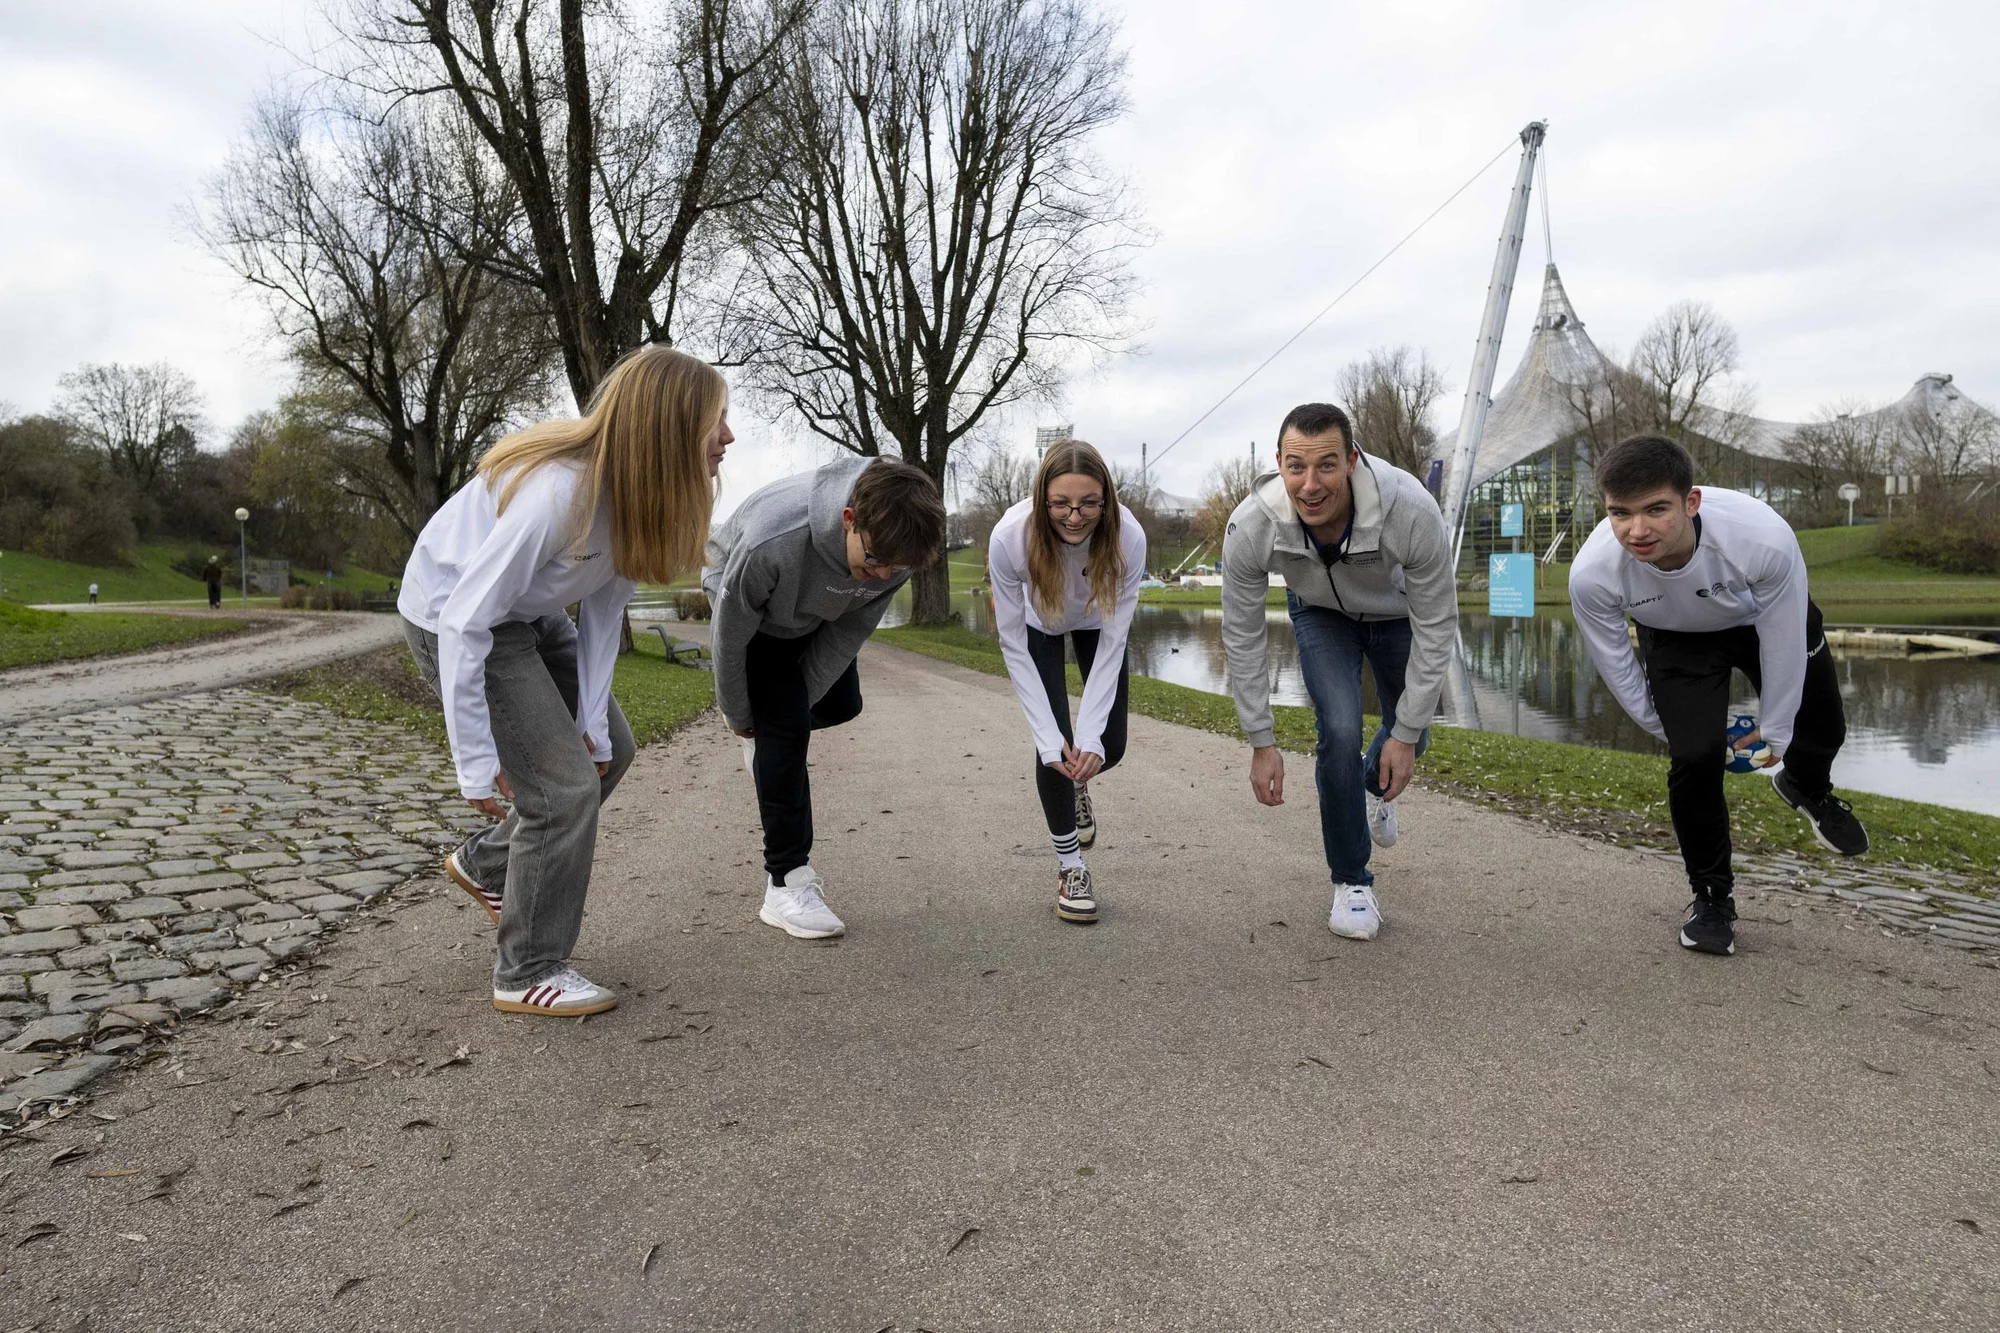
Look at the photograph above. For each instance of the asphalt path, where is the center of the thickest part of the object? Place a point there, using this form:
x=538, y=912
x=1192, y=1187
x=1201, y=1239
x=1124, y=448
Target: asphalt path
x=274, y=645
x=1523, y=1107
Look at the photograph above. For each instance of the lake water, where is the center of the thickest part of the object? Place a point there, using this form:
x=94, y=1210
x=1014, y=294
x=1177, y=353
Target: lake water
x=1923, y=728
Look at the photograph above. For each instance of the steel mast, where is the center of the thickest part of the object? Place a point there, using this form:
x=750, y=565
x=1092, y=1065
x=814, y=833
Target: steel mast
x=1486, y=352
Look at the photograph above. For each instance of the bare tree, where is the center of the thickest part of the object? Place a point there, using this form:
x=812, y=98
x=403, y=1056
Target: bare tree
x=620, y=135
x=369, y=238
x=144, y=419
x=1389, y=396
x=1228, y=484
x=1684, y=361
x=939, y=241
x=1949, y=444
x=1845, y=441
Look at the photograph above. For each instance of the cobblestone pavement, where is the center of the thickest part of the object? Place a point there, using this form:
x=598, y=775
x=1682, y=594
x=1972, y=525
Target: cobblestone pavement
x=154, y=855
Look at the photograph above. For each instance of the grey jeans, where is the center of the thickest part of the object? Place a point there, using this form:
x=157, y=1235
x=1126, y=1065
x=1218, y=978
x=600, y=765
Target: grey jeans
x=540, y=854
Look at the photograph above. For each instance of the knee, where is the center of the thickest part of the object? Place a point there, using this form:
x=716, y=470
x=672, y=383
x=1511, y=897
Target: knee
x=1114, y=750
x=837, y=709
x=1695, y=757
x=1338, y=738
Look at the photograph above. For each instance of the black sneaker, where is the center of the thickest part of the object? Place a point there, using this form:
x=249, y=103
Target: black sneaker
x=1074, y=899
x=1832, y=819
x=1086, y=818
x=1707, y=928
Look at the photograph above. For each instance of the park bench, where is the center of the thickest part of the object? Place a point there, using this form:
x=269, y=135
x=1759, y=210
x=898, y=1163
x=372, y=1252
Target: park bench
x=680, y=651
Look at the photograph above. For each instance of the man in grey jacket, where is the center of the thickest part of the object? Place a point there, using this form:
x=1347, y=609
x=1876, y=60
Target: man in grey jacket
x=798, y=578
x=1368, y=574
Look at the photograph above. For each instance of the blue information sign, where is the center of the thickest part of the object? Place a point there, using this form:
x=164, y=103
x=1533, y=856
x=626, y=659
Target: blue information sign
x=1510, y=585
x=1510, y=520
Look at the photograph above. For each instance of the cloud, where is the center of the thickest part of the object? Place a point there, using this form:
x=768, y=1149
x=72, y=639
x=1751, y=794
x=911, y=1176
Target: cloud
x=1825, y=177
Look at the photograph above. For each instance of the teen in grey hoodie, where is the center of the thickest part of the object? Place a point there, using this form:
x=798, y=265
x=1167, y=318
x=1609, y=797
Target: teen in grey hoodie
x=1368, y=574
x=798, y=578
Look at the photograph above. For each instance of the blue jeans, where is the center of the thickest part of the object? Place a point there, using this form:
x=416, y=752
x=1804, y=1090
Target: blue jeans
x=1331, y=648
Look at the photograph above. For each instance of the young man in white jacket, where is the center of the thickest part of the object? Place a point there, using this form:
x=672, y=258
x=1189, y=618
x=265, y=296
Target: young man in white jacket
x=1367, y=569
x=1716, y=583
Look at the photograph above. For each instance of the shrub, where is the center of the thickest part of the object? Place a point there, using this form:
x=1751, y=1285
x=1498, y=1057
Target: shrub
x=1952, y=537
x=319, y=597
x=691, y=604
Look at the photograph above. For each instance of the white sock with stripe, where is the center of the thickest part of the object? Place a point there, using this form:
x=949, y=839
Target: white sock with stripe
x=1068, y=851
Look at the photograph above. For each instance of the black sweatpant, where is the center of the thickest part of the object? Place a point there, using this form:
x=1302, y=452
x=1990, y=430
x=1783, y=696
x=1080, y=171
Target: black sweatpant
x=1057, y=793
x=784, y=720
x=1688, y=674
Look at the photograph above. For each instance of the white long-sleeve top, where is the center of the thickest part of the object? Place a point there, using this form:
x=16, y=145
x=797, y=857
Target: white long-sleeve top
x=474, y=568
x=1014, y=609
x=1746, y=569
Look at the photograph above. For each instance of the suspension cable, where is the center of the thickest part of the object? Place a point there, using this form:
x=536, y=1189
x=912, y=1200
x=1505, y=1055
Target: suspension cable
x=1512, y=143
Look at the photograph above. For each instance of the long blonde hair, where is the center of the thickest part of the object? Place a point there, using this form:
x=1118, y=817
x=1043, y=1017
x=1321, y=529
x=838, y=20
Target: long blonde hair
x=643, y=445
x=1106, y=560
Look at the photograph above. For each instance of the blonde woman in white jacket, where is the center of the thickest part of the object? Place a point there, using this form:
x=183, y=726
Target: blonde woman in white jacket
x=567, y=512
x=1068, y=561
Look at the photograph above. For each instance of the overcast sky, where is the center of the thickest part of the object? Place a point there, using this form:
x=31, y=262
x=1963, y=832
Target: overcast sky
x=1826, y=175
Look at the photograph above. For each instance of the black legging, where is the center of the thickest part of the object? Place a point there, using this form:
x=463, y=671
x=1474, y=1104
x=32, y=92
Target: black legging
x=1688, y=673
x=784, y=719
x=1057, y=793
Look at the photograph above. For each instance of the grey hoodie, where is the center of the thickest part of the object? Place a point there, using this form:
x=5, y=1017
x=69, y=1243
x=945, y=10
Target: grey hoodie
x=1397, y=564
x=778, y=566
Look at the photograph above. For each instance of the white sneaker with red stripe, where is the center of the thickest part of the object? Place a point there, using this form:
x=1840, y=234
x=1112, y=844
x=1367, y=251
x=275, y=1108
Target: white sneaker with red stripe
x=489, y=899
x=564, y=994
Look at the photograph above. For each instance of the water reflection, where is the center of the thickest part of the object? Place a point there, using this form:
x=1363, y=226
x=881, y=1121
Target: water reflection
x=1927, y=729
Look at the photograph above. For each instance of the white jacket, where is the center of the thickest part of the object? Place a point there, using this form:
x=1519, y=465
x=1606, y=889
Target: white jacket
x=474, y=568
x=1746, y=569
x=1014, y=609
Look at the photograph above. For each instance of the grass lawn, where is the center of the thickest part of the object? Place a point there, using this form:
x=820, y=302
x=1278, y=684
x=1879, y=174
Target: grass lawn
x=1605, y=792
x=657, y=697
x=150, y=577
x=28, y=636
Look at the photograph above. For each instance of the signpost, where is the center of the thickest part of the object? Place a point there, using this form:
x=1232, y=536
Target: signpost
x=1849, y=492
x=1511, y=520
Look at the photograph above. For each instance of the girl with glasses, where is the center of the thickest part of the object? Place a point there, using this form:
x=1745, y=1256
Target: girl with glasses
x=1068, y=561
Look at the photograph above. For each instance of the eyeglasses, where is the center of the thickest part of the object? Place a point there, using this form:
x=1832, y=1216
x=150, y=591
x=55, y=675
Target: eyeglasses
x=1063, y=508
x=872, y=561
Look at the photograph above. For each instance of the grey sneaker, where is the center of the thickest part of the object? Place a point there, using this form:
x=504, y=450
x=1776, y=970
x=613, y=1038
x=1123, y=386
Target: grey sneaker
x=566, y=994
x=1086, y=818
x=1075, y=899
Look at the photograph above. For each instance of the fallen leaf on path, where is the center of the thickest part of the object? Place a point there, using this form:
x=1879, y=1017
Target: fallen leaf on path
x=646, y=1264
x=1332, y=957
x=118, y=1171
x=132, y=1236
x=1882, y=1069
x=408, y=1218
x=1280, y=924
x=659, y=1036
x=420, y=1124
x=461, y=1056
x=969, y=1045
x=70, y=1154
x=963, y=1237
x=1521, y=1178
x=1970, y=1225
x=294, y=1207
x=1314, y=1059
x=39, y=1231
x=346, y=1286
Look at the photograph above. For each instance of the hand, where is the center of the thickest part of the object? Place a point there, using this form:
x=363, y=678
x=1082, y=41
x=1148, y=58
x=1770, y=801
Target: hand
x=1394, y=767
x=747, y=733
x=489, y=807
x=1770, y=756
x=1267, y=775
x=1081, y=765
x=590, y=748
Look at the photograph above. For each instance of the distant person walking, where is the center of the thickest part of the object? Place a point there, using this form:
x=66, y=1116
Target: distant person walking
x=211, y=574
x=1068, y=561
x=1367, y=569
x=572, y=511
x=1716, y=583
x=93, y=594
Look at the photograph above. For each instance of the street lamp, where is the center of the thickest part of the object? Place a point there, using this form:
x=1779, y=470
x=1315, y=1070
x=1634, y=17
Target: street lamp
x=243, y=551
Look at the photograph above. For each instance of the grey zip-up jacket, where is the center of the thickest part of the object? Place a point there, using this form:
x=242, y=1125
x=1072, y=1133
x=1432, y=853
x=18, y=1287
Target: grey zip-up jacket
x=1397, y=564
x=778, y=566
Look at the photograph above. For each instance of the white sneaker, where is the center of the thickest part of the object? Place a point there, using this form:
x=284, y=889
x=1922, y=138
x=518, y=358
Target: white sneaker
x=750, y=755
x=1355, y=915
x=1382, y=821
x=796, y=907
x=1086, y=818
x=566, y=994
